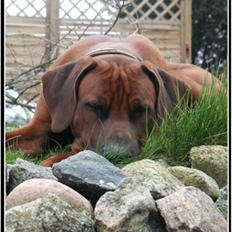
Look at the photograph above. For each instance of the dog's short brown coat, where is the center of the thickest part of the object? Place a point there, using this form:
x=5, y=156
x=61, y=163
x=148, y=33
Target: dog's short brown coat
x=104, y=99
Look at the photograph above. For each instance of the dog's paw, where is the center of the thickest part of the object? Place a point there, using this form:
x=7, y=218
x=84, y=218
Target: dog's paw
x=56, y=158
x=47, y=163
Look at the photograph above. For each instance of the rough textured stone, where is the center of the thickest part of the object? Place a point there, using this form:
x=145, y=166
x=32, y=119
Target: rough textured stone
x=130, y=208
x=153, y=176
x=212, y=160
x=35, y=188
x=196, y=178
x=48, y=213
x=24, y=170
x=190, y=209
x=7, y=173
x=163, y=163
x=88, y=173
x=222, y=202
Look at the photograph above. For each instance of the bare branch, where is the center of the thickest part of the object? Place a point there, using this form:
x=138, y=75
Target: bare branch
x=120, y=7
x=29, y=107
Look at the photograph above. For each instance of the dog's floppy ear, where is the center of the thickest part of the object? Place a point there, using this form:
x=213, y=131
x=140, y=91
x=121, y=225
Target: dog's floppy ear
x=59, y=89
x=167, y=88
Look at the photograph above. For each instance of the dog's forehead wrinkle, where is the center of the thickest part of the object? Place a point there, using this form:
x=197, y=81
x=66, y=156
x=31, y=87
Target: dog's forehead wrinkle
x=134, y=67
x=117, y=82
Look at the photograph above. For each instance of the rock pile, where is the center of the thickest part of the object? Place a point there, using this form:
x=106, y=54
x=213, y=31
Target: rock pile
x=88, y=193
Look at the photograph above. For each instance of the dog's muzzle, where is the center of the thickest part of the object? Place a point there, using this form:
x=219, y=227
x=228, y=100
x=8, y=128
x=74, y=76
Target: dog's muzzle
x=120, y=145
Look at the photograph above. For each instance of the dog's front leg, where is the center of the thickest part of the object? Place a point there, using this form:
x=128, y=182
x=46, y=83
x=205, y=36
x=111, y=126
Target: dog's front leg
x=76, y=147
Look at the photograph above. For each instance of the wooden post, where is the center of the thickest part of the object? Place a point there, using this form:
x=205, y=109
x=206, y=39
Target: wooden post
x=52, y=28
x=186, y=31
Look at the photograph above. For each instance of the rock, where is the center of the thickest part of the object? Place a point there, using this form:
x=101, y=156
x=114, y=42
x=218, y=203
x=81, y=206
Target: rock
x=196, y=178
x=222, y=202
x=32, y=189
x=48, y=213
x=24, y=170
x=130, y=208
x=212, y=160
x=88, y=173
x=7, y=173
x=163, y=163
x=153, y=176
x=190, y=209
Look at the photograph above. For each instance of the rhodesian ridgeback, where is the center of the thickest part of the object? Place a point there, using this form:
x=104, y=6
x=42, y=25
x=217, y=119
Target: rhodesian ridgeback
x=105, y=93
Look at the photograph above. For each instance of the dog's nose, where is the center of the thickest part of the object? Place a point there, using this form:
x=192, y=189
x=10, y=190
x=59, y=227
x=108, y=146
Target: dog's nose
x=120, y=145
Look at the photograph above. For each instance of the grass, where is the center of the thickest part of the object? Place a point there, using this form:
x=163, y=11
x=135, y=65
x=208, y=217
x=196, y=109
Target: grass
x=12, y=155
x=203, y=124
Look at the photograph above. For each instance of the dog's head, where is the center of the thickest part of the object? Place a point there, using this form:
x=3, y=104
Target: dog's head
x=109, y=103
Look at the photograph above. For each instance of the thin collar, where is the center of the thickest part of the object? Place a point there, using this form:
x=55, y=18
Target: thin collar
x=113, y=51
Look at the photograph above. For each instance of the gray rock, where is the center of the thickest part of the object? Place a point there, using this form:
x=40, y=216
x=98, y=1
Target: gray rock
x=32, y=189
x=222, y=202
x=47, y=214
x=7, y=173
x=24, y=170
x=190, y=209
x=130, y=208
x=196, y=178
x=153, y=176
x=163, y=163
x=89, y=174
x=212, y=160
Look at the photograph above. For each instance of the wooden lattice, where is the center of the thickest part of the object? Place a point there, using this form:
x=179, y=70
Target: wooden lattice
x=157, y=10
x=28, y=8
x=86, y=10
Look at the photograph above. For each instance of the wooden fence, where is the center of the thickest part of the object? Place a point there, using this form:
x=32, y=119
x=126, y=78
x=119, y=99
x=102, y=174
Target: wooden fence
x=38, y=30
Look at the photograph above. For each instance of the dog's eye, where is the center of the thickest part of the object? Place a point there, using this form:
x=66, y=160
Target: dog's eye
x=138, y=111
x=98, y=109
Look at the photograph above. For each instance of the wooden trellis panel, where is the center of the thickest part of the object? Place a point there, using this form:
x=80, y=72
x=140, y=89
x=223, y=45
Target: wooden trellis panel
x=155, y=10
x=25, y=8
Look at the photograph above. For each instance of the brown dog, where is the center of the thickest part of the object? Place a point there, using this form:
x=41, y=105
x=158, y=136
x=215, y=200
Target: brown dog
x=106, y=92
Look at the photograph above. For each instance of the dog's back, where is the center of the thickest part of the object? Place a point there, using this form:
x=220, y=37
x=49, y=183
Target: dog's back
x=138, y=45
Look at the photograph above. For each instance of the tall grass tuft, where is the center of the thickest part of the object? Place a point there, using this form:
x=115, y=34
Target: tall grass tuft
x=205, y=123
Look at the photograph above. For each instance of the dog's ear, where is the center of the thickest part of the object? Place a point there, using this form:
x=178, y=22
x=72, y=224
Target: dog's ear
x=167, y=88
x=60, y=87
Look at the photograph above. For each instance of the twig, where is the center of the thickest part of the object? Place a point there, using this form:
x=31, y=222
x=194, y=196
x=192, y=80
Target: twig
x=32, y=98
x=25, y=89
x=29, y=107
x=120, y=7
x=34, y=70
